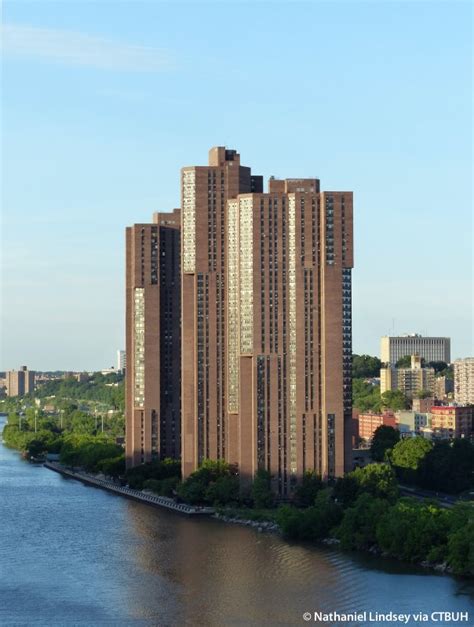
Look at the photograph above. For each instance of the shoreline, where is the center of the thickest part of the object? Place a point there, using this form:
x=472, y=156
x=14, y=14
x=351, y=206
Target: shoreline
x=188, y=510
x=136, y=495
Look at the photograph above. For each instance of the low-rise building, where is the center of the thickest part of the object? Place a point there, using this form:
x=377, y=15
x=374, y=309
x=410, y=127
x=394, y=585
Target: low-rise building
x=423, y=405
x=369, y=422
x=410, y=421
x=448, y=422
x=81, y=377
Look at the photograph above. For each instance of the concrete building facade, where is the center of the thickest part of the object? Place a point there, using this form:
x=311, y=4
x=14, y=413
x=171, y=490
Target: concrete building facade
x=393, y=348
x=153, y=342
x=121, y=360
x=464, y=381
x=410, y=381
x=410, y=421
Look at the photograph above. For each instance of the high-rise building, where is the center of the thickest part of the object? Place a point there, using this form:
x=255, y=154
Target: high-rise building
x=153, y=344
x=121, y=360
x=20, y=382
x=428, y=348
x=410, y=381
x=266, y=322
x=464, y=381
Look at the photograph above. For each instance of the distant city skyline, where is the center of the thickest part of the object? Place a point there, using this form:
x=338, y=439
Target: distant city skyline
x=97, y=101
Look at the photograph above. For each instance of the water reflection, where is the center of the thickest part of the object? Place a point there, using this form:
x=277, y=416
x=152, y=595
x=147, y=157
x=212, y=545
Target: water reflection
x=232, y=575
x=75, y=555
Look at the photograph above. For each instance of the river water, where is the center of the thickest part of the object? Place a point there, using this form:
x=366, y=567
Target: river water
x=76, y=555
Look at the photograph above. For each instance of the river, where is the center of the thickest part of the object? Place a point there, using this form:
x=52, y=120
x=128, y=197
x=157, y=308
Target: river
x=76, y=555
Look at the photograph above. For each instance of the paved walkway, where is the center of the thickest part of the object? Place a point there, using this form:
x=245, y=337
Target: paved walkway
x=137, y=495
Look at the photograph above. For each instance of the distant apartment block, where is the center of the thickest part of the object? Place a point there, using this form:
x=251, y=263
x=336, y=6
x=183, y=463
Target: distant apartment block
x=369, y=422
x=464, y=381
x=20, y=382
x=409, y=421
x=153, y=342
x=410, y=381
x=449, y=422
x=428, y=348
x=422, y=405
x=121, y=360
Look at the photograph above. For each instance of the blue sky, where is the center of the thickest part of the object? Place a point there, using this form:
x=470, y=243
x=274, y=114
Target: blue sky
x=104, y=102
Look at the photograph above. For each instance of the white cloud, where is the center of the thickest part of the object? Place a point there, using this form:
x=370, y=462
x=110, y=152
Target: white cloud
x=73, y=48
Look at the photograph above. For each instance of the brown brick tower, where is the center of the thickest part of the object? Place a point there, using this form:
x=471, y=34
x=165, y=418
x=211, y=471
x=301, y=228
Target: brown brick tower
x=153, y=342
x=261, y=293
x=266, y=326
x=207, y=431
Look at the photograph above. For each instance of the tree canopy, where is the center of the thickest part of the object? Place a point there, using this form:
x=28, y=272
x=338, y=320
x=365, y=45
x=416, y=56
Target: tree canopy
x=365, y=366
x=384, y=439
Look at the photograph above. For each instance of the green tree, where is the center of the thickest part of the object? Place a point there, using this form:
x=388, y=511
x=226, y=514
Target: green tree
x=113, y=466
x=460, y=555
x=379, y=480
x=262, y=495
x=197, y=487
x=289, y=519
x=407, y=457
x=394, y=400
x=365, y=396
x=405, y=362
x=157, y=469
x=438, y=366
x=423, y=394
x=384, y=439
x=414, y=531
x=224, y=490
x=163, y=487
x=346, y=489
x=313, y=523
x=308, y=489
x=192, y=492
x=359, y=525
x=364, y=366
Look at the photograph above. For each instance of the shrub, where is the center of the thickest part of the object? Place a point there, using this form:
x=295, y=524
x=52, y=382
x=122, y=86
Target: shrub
x=411, y=530
x=359, y=525
x=307, y=490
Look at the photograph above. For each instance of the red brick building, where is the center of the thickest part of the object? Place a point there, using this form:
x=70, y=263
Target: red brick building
x=369, y=422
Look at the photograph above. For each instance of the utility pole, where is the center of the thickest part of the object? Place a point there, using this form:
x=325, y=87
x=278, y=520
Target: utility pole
x=36, y=415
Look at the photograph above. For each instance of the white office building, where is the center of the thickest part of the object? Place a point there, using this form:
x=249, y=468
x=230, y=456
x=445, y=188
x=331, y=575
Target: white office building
x=121, y=360
x=428, y=348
